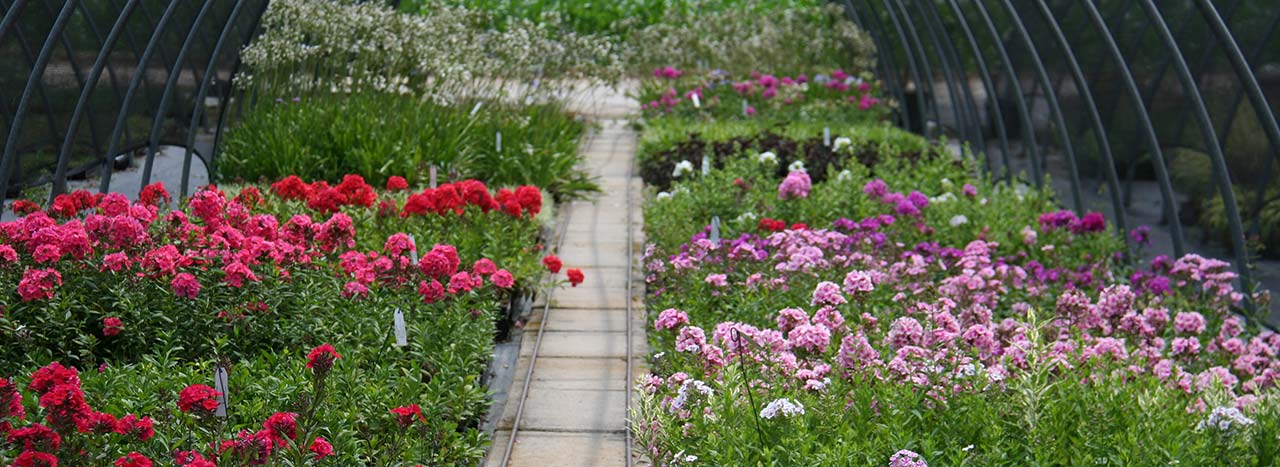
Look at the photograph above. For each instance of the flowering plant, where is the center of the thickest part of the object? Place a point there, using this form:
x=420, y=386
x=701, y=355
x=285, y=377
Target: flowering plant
x=903, y=312
x=834, y=95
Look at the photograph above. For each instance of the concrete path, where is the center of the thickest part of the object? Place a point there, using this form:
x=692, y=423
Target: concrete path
x=574, y=415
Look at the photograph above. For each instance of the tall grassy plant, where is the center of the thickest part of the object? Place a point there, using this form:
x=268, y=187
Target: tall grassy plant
x=378, y=135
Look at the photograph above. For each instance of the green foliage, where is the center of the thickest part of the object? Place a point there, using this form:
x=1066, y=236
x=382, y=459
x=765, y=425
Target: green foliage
x=379, y=135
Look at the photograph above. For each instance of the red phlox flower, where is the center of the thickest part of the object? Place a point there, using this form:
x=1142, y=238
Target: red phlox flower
x=397, y=183
x=321, y=448
x=322, y=357
x=38, y=284
x=23, y=207
x=356, y=191
x=406, y=415
x=575, y=276
x=133, y=459
x=154, y=194
x=552, y=263
x=199, y=398
x=141, y=428
x=112, y=326
x=291, y=188
x=282, y=426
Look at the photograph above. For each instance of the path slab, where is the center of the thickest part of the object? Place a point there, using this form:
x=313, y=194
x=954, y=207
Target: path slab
x=575, y=408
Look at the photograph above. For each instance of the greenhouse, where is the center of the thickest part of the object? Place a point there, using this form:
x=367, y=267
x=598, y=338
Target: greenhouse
x=417, y=233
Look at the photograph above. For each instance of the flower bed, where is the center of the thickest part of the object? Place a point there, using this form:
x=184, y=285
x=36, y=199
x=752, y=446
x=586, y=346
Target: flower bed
x=836, y=96
x=904, y=312
x=117, y=308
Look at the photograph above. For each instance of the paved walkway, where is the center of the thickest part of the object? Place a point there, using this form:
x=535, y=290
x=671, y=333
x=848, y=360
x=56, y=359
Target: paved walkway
x=574, y=415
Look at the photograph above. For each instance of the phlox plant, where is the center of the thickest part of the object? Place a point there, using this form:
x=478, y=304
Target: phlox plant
x=668, y=141
x=506, y=233
x=378, y=136
x=140, y=301
x=220, y=276
x=831, y=95
x=906, y=311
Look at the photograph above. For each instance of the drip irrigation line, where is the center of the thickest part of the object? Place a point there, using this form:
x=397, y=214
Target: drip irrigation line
x=626, y=386
x=542, y=327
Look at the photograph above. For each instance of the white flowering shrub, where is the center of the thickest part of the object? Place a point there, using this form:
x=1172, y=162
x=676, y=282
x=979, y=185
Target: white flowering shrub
x=442, y=54
x=751, y=37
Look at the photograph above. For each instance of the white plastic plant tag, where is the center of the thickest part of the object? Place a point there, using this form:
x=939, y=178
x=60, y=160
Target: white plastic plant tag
x=413, y=254
x=220, y=385
x=826, y=136
x=402, y=336
x=434, y=175
x=497, y=141
x=715, y=230
x=476, y=108
x=706, y=164
x=697, y=104
x=744, y=107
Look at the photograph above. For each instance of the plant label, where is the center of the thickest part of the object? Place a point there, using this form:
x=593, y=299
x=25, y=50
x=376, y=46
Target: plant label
x=715, y=230
x=826, y=136
x=434, y=172
x=497, y=141
x=476, y=108
x=402, y=336
x=744, y=107
x=220, y=385
x=706, y=165
x=413, y=254
x=697, y=104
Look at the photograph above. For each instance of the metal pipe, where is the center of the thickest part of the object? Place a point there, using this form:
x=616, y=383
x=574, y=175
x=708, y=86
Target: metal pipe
x=166, y=97
x=1113, y=180
x=989, y=85
x=911, y=66
x=1029, y=137
x=34, y=80
x=86, y=92
x=1054, y=106
x=138, y=74
x=1215, y=152
x=1249, y=81
x=198, y=111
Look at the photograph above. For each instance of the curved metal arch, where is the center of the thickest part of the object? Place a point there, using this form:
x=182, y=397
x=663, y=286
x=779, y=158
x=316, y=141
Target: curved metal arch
x=8, y=159
x=1215, y=151
x=921, y=101
x=937, y=31
x=1256, y=224
x=166, y=96
x=134, y=83
x=963, y=131
x=11, y=17
x=1251, y=88
x=913, y=41
x=226, y=94
x=1201, y=67
x=1100, y=131
x=26, y=49
x=888, y=65
x=1055, y=109
x=198, y=111
x=1031, y=146
x=989, y=86
x=86, y=92
x=1144, y=125
x=75, y=66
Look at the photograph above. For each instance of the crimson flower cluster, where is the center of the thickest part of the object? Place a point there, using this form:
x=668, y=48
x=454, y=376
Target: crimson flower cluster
x=66, y=414
x=134, y=239
x=352, y=191
x=455, y=197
